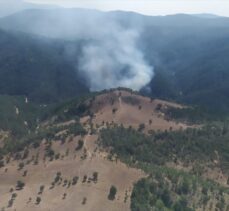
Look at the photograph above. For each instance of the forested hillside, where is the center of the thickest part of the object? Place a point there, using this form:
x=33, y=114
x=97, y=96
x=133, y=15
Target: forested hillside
x=72, y=137
x=175, y=187
x=194, y=71
x=37, y=68
x=188, y=54
x=113, y=149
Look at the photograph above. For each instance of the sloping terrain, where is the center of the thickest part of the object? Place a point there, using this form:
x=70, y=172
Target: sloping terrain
x=188, y=54
x=62, y=166
x=42, y=72
x=72, y=165
x=130, y=109
x=115, y=150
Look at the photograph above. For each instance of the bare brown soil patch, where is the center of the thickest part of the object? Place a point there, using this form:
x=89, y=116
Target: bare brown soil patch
x=130, y=109
x=38, y=170
x=85, y=195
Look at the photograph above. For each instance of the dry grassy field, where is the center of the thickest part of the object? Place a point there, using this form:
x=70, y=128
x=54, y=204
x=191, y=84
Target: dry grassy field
x=68, y=181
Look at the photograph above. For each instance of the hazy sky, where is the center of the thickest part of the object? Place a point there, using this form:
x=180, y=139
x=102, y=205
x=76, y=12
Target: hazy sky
x=150, y=7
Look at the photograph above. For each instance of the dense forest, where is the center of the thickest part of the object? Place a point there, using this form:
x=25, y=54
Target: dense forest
x=167, y=188
x=37, y=68
x=188, y=55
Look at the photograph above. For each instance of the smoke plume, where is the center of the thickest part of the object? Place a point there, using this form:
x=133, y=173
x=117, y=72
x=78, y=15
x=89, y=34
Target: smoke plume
x=108, y=56
x=114, y=60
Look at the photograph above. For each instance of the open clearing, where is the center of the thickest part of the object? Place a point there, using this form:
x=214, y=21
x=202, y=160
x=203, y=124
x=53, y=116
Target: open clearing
x=69, y=165
x=129, y=109
x=67, y=182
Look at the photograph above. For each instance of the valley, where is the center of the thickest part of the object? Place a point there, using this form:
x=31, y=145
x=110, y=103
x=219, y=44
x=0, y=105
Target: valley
x=113, y=110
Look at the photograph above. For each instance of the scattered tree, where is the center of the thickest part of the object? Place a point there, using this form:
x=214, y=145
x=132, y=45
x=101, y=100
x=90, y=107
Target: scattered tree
x=25, y=173
x=114, y=110
x=14, y=195
x=38, y=200
x=2, y=163
x=141, y=127
x=75, y=180
x=84, y=200
x=84, y=179
x=112, y=193
x=10, y=203
x=42, y=187
x=20, y=185
x=64, y=196
x=95, y=176
x=80, y=145
x=21, y=166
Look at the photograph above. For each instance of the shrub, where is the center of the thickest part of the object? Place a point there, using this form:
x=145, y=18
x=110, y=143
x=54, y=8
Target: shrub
x=84, y=200
x=25, y=173
x=42, y=187
x=114, y=110
x=141, y=127
x=64, y=196
x=95, y=176
x=38, y=200
x=14, y=195
x=2, y=163
x=84, y=179
x=21, y=166
x=112, y=193
x=75, y=180
x=58, y=177
x=20, y=185
x=10, y=203
x=80, y=145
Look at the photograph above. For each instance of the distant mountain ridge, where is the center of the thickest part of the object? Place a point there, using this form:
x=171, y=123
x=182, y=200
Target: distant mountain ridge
x=189, y=54
x=207, y=15
x=9, y=7
x=44, y=22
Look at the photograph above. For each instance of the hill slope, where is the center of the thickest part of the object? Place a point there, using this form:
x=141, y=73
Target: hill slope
x=41, y=73
x=87, y=146
x=188, y=53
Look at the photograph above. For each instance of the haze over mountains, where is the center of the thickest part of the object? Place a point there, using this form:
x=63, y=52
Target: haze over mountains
x=8, y=7
x=113, y=111
x=187, y=55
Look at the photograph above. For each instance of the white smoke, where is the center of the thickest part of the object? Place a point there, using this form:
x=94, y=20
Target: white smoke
x=114, y=60
x=109, y=56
